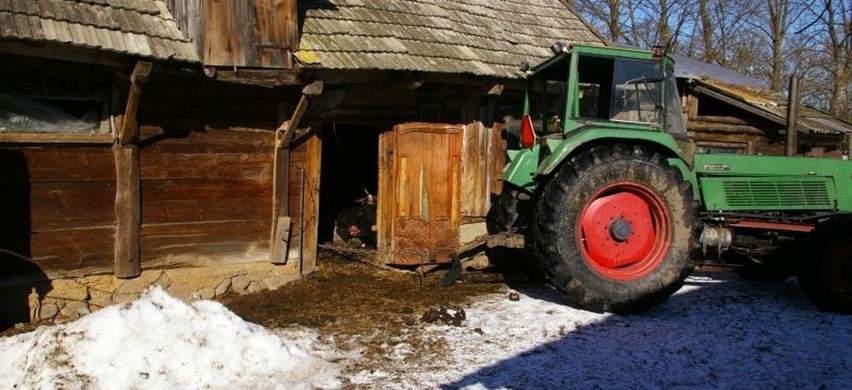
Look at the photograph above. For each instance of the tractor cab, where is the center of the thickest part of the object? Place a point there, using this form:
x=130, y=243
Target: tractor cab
x=599, y=86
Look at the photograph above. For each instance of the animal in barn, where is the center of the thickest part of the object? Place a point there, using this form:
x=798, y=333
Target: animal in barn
x=355, y=226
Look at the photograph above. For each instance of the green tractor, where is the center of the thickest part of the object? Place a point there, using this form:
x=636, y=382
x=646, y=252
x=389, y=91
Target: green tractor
x=618, y=206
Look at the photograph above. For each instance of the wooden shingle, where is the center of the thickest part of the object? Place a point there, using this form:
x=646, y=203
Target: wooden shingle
x=484, y=37
x=142, y=28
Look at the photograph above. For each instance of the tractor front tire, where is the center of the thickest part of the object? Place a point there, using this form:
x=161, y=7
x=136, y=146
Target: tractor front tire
x=826, y=278
x=615, y=229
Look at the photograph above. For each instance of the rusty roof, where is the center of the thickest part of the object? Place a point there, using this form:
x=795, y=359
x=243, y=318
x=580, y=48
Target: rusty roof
x=773, y=105
x=757, y=96
x=480, y=37
x=143, y=28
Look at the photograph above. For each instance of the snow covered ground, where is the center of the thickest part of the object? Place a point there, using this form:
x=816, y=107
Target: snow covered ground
x=717, y=332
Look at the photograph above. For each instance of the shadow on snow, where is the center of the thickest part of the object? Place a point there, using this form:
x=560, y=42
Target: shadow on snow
x=719, y=331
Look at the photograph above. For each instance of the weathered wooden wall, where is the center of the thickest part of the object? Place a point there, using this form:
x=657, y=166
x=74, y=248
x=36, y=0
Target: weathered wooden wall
x=749, y=136
x=57, y=204
x=208, y=193
x=483, y=158
x=187, y=14
x=304, y=202
x=206, y=157
x=253, y=33
x=206, y=182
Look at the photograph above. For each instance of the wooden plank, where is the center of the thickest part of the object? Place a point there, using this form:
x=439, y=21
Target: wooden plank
x=61, y=164
x=175, y=166
x=497, y=158
x=281, y=240
x=46, y=138
x=157, y=235
x=730, y=120
x=128, y=211
x=68, y=205
x=386, y=199
x=280, y=193
x=724, y=128
x=73, y=249
x=312, y=205
x=210, y=141
x=217, y=29
x=242, y=39
x=192, y=210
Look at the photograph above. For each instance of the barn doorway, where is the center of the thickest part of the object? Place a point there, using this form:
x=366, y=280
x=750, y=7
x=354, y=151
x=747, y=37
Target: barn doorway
x=349, y=171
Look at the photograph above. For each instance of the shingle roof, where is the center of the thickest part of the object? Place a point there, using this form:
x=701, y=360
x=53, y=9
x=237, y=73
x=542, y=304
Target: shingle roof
x=482, y=37
x=143, y=28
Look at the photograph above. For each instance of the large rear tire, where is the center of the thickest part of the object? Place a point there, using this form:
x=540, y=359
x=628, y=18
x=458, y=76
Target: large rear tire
x=826, y=278
x=615, y=229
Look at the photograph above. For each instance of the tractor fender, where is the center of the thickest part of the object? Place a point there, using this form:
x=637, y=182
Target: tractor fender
x=561, y=149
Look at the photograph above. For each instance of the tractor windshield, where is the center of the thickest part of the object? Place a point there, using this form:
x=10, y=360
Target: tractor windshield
x=636, y=91
x=674, y=111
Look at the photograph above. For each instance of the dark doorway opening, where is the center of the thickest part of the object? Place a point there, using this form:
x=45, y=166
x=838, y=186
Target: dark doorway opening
x=350, y=170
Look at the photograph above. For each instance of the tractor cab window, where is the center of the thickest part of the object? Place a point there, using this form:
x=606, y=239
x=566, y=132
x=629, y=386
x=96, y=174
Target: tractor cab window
x=675, y=124
x=595, y=87
x=548, y=98
x=636, y=92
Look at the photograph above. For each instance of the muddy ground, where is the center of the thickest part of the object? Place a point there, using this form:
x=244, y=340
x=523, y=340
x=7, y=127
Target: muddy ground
x=375, y=307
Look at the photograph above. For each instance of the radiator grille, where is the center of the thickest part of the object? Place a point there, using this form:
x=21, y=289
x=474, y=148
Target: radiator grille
x=782, y=194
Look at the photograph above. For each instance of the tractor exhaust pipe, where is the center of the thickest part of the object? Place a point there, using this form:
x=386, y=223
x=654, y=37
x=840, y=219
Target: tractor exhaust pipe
x=793, y=117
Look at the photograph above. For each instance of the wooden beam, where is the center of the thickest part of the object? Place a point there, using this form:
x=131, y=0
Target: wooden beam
x=128, y=204
x=741, y=104
x=53, y=138
x=289, y=127
x=269, y=78
x=64, y=52
x=724, y=128
x=128, y=131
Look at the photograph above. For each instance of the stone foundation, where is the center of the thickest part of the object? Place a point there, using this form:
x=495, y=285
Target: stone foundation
x=69, y=298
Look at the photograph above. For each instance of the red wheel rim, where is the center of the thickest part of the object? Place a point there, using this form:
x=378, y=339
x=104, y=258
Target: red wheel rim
x=624, y=231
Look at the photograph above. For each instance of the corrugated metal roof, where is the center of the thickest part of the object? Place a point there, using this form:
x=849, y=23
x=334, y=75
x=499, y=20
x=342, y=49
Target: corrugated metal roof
x=691, y=68
x=481, y=37
x=143, y=28
x=757, y=94
x=811, y=120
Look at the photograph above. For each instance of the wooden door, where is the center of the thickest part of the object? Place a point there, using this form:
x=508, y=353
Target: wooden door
x=419, y=193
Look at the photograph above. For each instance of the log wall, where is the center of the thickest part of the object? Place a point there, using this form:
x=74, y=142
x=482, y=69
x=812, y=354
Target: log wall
x=206, y=155
x=207, y=162
x=57, y=204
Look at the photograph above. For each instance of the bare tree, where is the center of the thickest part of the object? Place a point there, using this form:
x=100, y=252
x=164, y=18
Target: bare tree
x=838, y=23
x=706, y=32
x=606, y=14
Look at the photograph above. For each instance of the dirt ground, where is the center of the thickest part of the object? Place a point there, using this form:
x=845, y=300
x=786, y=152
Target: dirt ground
x=377, y=307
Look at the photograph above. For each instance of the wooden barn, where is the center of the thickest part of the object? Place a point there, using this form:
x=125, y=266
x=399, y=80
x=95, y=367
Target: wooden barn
x=206, y=146
x=728, y=112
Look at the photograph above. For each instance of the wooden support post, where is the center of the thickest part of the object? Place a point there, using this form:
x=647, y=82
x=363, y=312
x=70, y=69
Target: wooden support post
x=289, y=127
x=128, y=206
x=281, y=175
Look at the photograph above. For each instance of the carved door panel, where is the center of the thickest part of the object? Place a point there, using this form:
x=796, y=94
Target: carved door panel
x=419, y=187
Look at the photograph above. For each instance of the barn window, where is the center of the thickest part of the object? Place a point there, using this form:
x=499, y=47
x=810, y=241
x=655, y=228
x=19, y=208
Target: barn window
x=23, y=114
x=45, y=99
